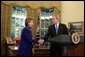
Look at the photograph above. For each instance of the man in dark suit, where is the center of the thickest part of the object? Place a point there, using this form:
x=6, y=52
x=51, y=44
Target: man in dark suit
x=56, y=29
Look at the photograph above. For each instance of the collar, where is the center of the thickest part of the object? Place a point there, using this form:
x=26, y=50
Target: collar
x=57, y=24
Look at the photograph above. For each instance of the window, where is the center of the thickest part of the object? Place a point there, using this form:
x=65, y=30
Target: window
x=45, y=20
x=17, y=21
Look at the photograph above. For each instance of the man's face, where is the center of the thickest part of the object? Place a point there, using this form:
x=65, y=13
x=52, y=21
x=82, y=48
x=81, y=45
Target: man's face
x=55, y=20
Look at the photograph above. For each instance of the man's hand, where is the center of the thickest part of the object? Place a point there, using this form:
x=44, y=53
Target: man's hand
x=40, y=41
x=33, y=50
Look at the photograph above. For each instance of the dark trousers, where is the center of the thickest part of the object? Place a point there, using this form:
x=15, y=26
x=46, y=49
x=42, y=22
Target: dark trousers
x=56, y=50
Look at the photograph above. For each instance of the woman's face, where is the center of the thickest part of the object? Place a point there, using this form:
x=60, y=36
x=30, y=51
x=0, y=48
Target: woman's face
x=31, y=23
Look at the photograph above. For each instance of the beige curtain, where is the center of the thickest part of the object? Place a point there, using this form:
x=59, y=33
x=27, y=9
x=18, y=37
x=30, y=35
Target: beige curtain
x=36, y=16
x=5, y=22
x=32, y=13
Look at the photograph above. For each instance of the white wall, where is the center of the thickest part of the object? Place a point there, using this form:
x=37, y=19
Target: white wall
x=72, y=11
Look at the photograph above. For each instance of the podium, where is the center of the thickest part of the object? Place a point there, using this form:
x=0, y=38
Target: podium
x=65, y=41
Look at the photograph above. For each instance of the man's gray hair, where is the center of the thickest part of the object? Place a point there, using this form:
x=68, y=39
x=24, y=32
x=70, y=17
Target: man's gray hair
x=56, y=15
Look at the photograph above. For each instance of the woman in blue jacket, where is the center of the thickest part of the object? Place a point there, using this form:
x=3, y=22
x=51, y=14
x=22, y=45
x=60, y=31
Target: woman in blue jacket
x=26, y=43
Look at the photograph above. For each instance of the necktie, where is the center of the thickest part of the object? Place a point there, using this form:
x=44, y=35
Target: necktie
x=56, y=29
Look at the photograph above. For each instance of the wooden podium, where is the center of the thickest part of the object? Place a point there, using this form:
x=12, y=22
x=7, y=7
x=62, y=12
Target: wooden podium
x=69, y=48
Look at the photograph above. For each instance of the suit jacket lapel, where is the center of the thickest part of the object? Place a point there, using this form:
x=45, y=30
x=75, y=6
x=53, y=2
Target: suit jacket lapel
x=54, y=30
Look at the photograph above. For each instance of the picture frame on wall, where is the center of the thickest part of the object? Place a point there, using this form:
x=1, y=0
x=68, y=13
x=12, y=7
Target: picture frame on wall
x=77, y=27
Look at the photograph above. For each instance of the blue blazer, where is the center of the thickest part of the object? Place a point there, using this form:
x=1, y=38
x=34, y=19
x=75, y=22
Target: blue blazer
x=26, y=43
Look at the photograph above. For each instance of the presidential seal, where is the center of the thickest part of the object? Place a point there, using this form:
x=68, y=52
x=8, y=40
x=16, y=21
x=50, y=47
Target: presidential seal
x=75, y=38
